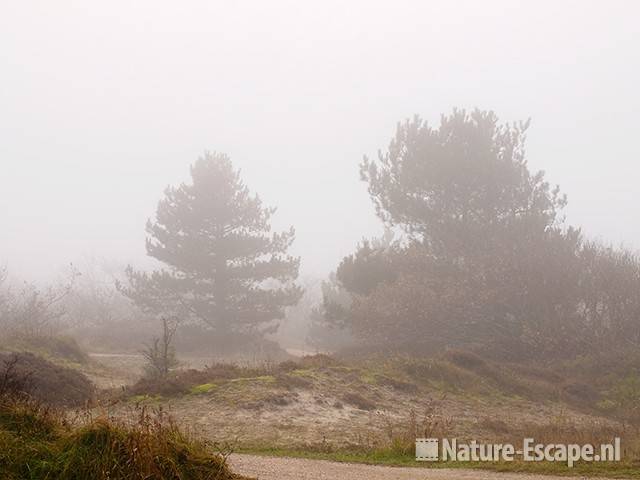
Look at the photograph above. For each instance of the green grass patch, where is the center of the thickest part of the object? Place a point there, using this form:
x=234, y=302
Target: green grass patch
x=368, y=378
x=145, y=398
x=204, y=388
x=262, y=378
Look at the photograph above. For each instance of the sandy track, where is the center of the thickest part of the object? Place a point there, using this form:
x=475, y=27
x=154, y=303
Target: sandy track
x=279, y=468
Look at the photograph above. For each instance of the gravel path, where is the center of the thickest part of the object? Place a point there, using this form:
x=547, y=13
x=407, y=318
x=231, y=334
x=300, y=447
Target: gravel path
x=280, y=468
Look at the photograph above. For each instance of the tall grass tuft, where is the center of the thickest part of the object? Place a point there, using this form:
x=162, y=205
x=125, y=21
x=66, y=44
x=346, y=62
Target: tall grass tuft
x=37, y=442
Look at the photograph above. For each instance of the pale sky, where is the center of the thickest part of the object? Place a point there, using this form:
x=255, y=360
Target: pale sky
x=103, y=104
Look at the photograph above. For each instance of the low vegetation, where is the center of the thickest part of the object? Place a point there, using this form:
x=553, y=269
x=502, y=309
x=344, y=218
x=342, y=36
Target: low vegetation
x=395, y=443
x=578, y=384
x=371, y=409
x=191, y=380
x=40, y=440
x=40, y=379
x=37, y=442
x=480, y=314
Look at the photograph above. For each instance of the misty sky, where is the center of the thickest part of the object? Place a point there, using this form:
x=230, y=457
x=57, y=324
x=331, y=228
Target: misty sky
x=103, y=104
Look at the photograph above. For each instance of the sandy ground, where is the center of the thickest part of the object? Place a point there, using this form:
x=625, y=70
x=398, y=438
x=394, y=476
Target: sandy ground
x=258, y=411
x=277, y=468
x=255, y=413
x=115, y=370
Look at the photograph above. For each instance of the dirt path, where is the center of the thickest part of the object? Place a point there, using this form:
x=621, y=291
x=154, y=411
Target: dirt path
x=278, y=468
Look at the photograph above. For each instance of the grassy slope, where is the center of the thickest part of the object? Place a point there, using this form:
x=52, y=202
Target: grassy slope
x=37, y=443
x=363, y=387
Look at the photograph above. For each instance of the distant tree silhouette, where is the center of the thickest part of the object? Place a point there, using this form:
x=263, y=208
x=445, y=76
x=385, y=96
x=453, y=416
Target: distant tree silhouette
x=224, y=266
x=486, y=259
x=462, y=188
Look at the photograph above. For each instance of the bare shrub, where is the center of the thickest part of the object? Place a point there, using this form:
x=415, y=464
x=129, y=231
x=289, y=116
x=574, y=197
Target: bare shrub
x=33, y=311
x=160, y=355
x=13, y=382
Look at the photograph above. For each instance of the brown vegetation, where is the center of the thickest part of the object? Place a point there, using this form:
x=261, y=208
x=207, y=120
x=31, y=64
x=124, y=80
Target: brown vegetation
x=43, y=380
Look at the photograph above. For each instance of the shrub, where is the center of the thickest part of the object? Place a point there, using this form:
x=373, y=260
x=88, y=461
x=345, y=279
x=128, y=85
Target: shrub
x=291, y=382
x=160, y=354
x=358, y=401
x=159, y=386
x=581, y=393
x=399, y=385
x=13, y=381
x=26, y=373
x=465, y=359
x=181, y=381
x=626, y=398
x=288, y=366
x=66, y=348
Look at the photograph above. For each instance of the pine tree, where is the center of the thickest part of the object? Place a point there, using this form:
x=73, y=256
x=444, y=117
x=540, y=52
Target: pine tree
x=224, y=266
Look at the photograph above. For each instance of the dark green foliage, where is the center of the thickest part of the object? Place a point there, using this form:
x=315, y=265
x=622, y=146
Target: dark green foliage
x=363, y=271
x=461, y=187
x=225, y=267
x=486, y=262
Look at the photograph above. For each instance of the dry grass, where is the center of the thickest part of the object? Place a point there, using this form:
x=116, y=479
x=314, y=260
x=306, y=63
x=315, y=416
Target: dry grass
x=183, y=381
x=394, y=444
x=37, y=442
x=374, y=408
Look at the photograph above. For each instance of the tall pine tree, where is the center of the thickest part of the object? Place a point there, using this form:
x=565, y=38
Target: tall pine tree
x=224, y=266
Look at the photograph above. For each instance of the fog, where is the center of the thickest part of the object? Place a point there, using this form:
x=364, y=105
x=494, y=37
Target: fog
x=234, y=232
x=104, y=104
